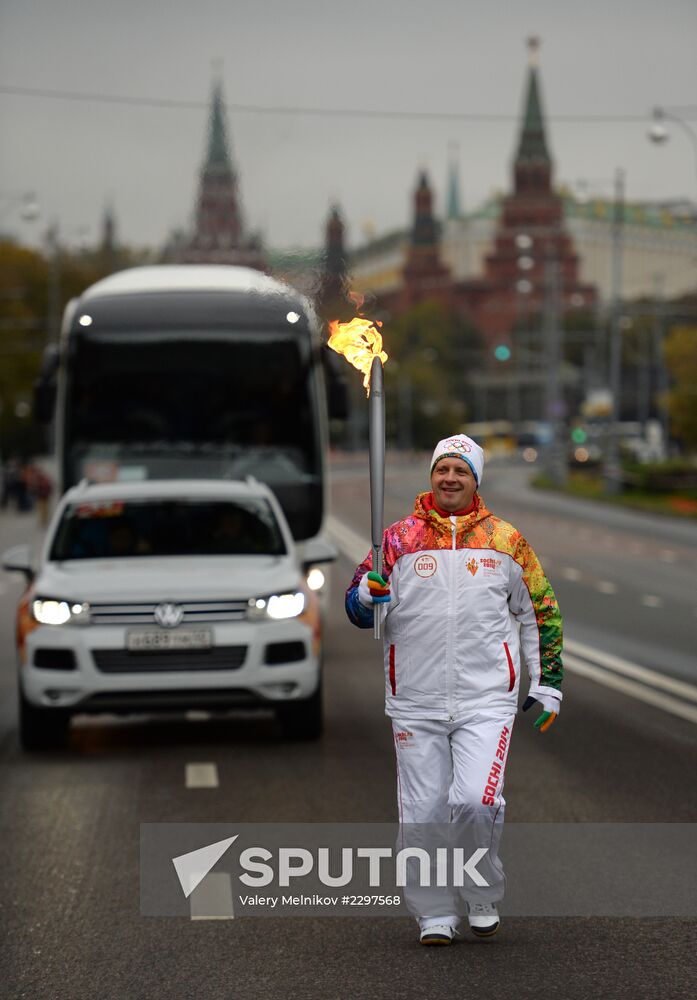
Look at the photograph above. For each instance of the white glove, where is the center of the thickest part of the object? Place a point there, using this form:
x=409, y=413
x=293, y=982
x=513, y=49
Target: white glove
x=549, y=702
x=378, y=594
x=364, y=592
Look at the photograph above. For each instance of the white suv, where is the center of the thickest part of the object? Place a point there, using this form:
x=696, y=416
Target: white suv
x=171, y=595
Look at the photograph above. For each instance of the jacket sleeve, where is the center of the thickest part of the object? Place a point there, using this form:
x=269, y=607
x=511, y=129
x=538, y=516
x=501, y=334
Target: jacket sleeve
x=359, y=615
x=535, y=606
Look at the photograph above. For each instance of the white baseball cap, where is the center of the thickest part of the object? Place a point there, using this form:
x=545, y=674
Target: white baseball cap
x=461, y=446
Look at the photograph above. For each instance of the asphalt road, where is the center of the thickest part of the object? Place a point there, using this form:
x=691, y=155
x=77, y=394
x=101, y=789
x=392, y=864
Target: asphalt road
x=69, y=821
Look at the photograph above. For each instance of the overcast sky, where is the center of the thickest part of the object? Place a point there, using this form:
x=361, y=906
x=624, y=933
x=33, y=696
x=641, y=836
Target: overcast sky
x=460, y=56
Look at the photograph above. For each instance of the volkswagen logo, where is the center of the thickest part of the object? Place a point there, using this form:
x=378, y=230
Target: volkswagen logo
x=168, y=615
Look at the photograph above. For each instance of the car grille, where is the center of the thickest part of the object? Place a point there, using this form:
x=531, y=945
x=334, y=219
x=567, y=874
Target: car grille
x=151, y=701
x=144, y=614
x=121, y=661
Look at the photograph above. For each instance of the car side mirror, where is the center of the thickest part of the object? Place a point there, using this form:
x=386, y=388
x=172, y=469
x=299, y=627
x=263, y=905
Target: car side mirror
x=18, y=560
x=317, y=551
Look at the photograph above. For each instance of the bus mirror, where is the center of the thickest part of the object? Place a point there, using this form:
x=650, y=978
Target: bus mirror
x=44, y=400
x=317, y=551
x=338, y=399
x=45, y=385
x=337, y=390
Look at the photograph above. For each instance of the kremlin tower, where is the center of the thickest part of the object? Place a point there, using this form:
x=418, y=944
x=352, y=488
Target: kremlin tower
x=219, y=236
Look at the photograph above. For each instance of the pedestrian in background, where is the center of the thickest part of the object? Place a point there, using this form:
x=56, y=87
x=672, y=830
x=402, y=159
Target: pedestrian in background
x=11, y=483
x=41, y=489
x=464, y=596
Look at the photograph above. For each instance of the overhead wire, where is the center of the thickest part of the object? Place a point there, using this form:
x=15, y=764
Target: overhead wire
x=283, y=109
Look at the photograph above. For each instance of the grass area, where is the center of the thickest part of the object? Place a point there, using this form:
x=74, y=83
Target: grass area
x=590, y=487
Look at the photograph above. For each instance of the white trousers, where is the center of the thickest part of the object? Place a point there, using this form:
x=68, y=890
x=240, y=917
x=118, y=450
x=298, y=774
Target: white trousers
x=453, y=773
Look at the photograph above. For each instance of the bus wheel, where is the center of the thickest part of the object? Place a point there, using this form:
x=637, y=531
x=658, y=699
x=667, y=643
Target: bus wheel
x=42, y=728
x=302, y=720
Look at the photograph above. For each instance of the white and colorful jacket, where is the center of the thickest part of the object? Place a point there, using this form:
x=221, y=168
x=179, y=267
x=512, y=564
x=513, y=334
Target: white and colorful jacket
x=460, y=587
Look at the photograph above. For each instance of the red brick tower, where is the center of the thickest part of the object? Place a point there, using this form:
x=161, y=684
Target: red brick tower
x=425, y=276
x=530, y=231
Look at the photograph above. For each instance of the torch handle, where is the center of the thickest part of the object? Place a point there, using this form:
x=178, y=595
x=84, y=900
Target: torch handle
x=376, y=444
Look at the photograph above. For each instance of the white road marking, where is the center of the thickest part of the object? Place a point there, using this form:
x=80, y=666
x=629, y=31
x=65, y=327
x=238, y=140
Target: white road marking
x=212, y=899
x=606, y=587
x=651, y=601
x=570, y=573
x=612, y=671
x=632, y=688
x=201, y=776
x=349, y=541
x=620, y=666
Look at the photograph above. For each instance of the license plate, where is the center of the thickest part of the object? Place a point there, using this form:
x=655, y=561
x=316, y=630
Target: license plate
x=145, y=640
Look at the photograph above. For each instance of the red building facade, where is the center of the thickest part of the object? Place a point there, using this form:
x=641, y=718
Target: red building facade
x=532, y=257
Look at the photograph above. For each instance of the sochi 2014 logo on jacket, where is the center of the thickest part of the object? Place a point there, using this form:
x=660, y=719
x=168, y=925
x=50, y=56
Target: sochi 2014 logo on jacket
x=425, y=566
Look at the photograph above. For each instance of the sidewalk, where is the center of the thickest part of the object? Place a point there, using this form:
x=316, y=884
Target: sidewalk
x=19, y=529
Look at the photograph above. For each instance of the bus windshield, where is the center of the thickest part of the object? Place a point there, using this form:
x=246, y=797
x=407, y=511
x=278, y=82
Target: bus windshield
x=194, y=405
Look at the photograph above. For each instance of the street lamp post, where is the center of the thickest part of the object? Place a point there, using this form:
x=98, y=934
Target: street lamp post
x=659, y=134
x=612, y=472
x=25, y=201
x=554, y=401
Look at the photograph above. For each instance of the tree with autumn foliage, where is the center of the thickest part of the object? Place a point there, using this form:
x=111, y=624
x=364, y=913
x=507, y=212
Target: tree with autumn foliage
x=433, y=352
x=681, y=359
x=28, y=278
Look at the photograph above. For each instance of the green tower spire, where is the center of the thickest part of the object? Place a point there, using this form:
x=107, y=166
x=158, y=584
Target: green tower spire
x=454, y=206
x=532, y=147
x=218, y=156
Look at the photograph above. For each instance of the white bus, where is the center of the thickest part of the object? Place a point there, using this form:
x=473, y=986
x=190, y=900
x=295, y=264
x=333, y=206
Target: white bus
x=201, y=371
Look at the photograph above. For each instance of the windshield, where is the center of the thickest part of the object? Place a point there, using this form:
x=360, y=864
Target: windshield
x=185, y=388
x=178, y=527
x=191, y=404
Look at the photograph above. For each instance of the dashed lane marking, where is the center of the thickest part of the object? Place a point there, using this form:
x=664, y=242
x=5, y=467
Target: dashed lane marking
x=651, y=601
x=606, y=587
x=201, y=776
x=570, y=573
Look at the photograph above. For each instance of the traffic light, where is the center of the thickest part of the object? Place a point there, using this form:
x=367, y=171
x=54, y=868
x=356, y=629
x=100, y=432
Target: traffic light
x=578, y=435
x=502, y=352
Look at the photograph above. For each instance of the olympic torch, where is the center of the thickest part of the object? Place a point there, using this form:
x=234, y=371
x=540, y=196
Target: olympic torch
x=360, y=342
x=376, y=451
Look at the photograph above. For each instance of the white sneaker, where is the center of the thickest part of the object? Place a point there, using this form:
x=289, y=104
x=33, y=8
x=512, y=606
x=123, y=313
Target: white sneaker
x=438, y=934
x=483, y=919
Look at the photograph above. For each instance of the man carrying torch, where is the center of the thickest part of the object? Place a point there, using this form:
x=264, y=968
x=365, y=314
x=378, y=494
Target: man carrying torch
x=463, y=595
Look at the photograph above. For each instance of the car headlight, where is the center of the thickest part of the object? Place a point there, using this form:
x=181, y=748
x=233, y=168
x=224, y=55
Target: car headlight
x=49, y=611
x=277, y=606
x=315, y=578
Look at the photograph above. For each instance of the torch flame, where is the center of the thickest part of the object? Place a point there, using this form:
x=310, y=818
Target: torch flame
x=359, y=341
